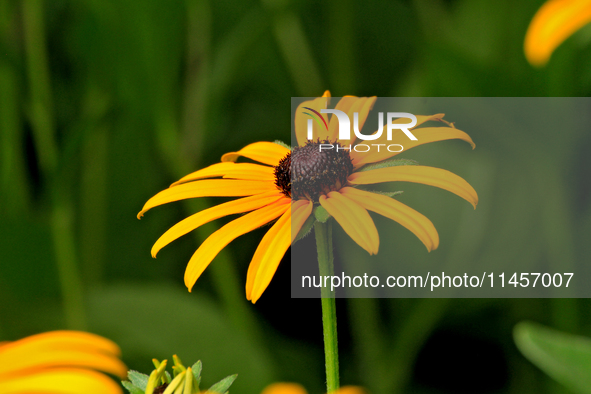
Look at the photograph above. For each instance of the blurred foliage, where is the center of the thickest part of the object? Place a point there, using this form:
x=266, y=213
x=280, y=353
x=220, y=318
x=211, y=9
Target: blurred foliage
x=565, y=357
x=104, y=103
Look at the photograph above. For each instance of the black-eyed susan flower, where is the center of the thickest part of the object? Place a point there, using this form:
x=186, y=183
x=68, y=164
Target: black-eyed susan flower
x=554, y=22
x=286, y=185
x=60, y=362
x=294, y=388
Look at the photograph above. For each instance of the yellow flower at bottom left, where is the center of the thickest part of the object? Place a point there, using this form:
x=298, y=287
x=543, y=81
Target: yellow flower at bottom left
x=60, y=362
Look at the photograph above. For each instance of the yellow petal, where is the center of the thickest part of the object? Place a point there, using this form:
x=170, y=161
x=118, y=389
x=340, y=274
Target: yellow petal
x=265, y=152
x=273, y=246
x=267, y=257
x=61, y=349
x=208, y=188
x=424, y=135
x=301, y=119
x=301, y=210
x=244, y=171
x=393, y=209
x=554, y=22
x=354, y=219
x=350, y=105
x=418, y=174
x=351, y=390
x=200, y=218
x=222, y=237
x=284, y=388
x=59, y=340
x=60, y=381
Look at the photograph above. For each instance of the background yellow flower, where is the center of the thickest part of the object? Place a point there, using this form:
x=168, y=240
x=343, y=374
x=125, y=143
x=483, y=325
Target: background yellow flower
x=554, y=22
x=60, y=362
x=294, y=388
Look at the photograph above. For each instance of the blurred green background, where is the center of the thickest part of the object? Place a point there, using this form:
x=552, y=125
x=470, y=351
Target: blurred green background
x=105, y=103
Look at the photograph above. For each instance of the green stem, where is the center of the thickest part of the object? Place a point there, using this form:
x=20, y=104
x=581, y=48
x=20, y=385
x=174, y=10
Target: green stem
x=66, y=259
x=43, y=126
x=323, y=232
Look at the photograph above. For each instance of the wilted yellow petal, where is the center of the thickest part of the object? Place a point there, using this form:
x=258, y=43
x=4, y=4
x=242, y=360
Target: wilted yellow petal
x=354, y=219
x=222, y=237
x=301, y=119
x=194, y=221
x=418, y=174
x=208, y=188
x=60, y=381
x=424, y=135
x=244, y=171
x=264, y=152
x=554, y=22
x=393, y=209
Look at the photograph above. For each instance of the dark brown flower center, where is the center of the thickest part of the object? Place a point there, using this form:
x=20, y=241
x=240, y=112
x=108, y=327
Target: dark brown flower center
x=307, y=171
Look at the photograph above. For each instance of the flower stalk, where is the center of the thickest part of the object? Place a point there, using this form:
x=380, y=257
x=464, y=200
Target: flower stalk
x=323, y=233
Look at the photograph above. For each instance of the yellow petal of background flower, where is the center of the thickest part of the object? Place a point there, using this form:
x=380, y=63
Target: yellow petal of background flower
x=301, y=119
x=284, y=388
x=424, y=136
x=264, y=152
x=273, y=246
x=59, y=340
x=554, y=22
x=61, y=349
x=245, y=171
x=222, y=237
x=200, y=218
x=418, y=174
x=64, y=358
x=208, y=188
x=351, y=390
x=60, y=381
x=294, y=388
x=354, y=219
x=393, y=209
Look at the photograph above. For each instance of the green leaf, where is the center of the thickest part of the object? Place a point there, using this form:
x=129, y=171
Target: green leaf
x=138, y=379
x=132, y=388
x=321, y=214
x=306, y=228
x=223, y=385
x=564, y=357
x=388, y=163
x=196, y=368
x=283, y=144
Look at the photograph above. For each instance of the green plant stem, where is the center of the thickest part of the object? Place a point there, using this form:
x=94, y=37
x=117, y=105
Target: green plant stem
x=323, y=232
x=43, y=126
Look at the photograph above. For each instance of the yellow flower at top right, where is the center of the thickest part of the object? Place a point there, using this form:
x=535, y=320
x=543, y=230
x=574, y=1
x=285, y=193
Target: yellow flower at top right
x=554, y=22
